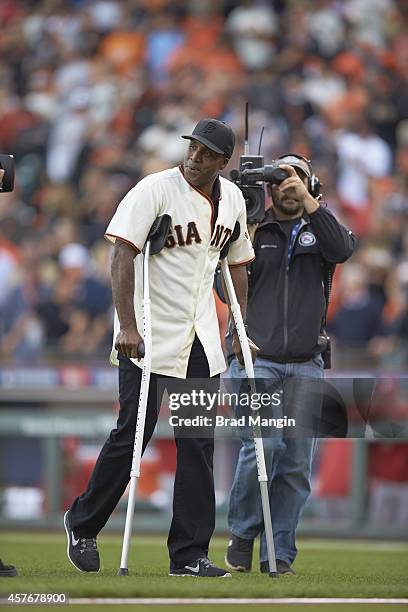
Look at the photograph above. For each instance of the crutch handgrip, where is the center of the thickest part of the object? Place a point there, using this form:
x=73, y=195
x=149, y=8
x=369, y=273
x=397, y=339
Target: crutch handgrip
x=141, y=349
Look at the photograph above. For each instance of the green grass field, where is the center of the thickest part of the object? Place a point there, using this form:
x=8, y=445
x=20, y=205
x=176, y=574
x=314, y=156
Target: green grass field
x=324, y=569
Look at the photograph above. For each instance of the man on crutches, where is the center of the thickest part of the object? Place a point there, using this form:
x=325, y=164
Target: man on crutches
x=204, y=209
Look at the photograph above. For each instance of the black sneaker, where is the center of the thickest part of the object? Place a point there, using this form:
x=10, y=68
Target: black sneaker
x=281, y=566
x=82, y=552
x=7, y=571
x=239, y=554
x=202, y=567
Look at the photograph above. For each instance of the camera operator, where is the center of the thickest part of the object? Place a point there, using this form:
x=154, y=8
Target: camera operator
x=295, y=244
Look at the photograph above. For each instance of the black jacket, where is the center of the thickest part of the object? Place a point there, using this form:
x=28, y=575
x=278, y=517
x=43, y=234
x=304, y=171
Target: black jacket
x=286, y=302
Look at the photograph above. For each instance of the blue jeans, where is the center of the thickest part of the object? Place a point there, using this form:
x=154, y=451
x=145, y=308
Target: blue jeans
x=288, y=462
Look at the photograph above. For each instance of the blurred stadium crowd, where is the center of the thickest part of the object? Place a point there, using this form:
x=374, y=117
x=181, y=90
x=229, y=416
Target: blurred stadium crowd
x=94, y=94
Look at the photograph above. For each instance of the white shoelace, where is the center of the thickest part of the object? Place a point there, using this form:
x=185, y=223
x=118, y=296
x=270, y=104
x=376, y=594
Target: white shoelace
x=206, y=562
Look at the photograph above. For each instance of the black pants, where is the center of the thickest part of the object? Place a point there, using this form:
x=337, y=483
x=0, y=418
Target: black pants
x=193, y=499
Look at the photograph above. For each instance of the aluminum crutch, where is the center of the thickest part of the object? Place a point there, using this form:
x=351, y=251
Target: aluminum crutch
x=155, y=242
x=259, y=449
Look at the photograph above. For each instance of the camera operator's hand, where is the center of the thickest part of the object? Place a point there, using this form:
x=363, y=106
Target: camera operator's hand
x=296, y=188
x=236, y=347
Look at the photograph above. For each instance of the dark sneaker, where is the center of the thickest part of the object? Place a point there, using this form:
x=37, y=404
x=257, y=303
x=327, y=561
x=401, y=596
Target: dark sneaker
x=239, y=554
x=7, y=571
x=201, y=567
x=281, y=566
x=82, y=552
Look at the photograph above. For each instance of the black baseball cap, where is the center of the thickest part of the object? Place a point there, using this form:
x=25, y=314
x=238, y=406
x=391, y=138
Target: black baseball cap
x=214, y=134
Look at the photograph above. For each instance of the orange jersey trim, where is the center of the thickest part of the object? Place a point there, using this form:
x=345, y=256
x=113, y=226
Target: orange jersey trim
x=207, y=197
x=134, y=246
x=241, y=263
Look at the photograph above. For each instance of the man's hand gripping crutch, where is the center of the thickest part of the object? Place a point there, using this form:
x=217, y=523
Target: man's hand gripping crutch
x=249, y=368
x=154, y=244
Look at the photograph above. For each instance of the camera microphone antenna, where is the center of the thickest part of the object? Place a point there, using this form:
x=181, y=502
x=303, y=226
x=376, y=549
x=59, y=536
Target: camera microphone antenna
x=246, y=143
x=260, y=140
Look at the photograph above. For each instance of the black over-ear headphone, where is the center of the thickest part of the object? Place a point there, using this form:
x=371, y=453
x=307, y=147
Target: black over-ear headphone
x=313, y=182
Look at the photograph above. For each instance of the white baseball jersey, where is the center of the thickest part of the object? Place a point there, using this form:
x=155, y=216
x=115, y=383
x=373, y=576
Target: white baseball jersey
x=181, y=275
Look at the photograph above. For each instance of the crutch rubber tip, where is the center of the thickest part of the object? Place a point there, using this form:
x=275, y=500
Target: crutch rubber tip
x=123, y=571
x=273, y=574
